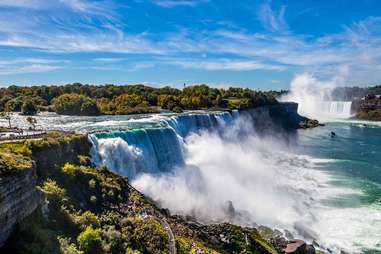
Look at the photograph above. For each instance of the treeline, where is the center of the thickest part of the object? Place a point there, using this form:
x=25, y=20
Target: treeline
x=78, y=99
x=355, y=93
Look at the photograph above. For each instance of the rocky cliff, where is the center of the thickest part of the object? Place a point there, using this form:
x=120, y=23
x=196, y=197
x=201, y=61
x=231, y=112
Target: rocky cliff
x=278, y=117
x=55, y=153
x=19, y=197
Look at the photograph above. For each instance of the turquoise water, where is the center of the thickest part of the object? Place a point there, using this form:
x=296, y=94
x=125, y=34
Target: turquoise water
x=317, y=187
x=355, y=163
x=356, y=150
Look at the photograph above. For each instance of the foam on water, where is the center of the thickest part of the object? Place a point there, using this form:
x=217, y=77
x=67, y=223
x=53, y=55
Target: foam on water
x=215, y=161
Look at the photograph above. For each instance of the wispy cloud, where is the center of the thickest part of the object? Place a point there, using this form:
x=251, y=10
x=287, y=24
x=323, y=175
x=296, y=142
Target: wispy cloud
x=273, y=20
x=77, y=26
x=33, y=68
x=225, y=64
x=29, y=65
x=176, y=3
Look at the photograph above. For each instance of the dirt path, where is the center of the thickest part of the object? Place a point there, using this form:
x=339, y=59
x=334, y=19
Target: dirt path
x=171, y=236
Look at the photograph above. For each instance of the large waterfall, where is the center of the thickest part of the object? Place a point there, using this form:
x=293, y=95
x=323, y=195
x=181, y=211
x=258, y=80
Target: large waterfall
x=153, y=149
x=340, y=109
x=215, y=167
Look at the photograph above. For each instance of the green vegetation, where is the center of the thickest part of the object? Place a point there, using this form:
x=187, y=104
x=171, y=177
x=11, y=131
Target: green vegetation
x=75, y=104
x=188, y=245
x=90, y=240
x=28, y=107
x=78, y=99
x=14, y=157
x=92, y=210
x=372, y=115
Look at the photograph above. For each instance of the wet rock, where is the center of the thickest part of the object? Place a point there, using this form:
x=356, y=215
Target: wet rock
x=299, y=247
x=309, y=123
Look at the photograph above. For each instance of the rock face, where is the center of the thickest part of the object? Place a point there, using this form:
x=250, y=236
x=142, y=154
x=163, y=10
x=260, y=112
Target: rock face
x=49, y=156
x=281, y=116
x=18, y=198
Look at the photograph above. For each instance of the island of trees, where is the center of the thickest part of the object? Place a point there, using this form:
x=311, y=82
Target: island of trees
x=79, y=99
x=366, y=101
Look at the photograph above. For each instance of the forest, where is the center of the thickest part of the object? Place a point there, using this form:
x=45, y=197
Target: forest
x=79, y=99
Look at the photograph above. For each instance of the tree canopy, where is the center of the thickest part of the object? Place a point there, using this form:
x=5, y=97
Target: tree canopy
x=79, y=99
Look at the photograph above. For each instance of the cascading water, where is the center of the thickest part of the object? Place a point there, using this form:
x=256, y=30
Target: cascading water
x=339, y=109
x=153, y=149
x=226, y=172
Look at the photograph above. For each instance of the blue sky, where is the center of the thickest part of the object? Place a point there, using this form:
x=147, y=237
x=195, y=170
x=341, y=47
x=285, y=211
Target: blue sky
x=258, y=44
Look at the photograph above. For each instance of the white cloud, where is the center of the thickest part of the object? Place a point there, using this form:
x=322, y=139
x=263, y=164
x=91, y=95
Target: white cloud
x=225, y=64
x=107, y=60
x=176, y=3
x=273, y=21
x=92, y=26
x=29, y=65
x=33, y=68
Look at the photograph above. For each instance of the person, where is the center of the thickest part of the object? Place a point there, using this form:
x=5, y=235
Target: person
x=333, y=134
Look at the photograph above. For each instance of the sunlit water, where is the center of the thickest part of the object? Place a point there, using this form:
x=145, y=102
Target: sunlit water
x=316, y=186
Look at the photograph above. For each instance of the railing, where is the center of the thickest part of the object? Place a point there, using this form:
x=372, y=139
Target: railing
x=22, y=136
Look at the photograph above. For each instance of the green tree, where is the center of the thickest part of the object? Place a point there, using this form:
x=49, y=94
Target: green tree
x=90, y=241
x=75, y=104
x=28, y=107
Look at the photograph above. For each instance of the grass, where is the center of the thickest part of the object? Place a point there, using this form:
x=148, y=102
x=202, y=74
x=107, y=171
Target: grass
x=187, y=245
x=14, y=156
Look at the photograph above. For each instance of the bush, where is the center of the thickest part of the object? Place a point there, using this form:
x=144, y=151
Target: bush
x=90, y=240
x=70, y=169
x=177, y=109
x=92, y=184
x=68, y=248
x=88, y=219
x=75, y=104
x=114, y=241
x=54, y=192
x=28, y=107
x=84, y=160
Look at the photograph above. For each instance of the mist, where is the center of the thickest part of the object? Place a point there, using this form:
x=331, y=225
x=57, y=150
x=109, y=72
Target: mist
x=314, y=97
x=241, y=178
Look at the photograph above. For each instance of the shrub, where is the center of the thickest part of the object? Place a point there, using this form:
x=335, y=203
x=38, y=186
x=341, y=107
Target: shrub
x=93, y=200
x=114, y=241
x=84, y=160
x=90, y=240
x=69, y=169
x=177, y=109
x=88, y=219
x=92, y=184
x=54, y=192
x=68, y=248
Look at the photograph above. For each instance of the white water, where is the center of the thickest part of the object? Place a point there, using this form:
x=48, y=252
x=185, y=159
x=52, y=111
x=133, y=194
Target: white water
x=315, y=100
x=336, y=109
x=261, y=179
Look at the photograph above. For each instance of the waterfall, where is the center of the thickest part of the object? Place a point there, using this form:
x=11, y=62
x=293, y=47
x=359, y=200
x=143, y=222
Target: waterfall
x=153, y=149
x=340, y=109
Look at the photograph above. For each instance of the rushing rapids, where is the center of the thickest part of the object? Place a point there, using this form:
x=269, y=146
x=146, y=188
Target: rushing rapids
x=154, y=149
x=225, y=171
